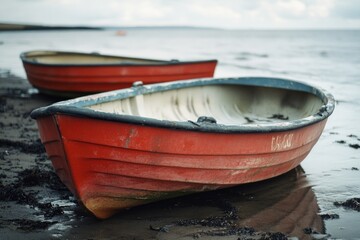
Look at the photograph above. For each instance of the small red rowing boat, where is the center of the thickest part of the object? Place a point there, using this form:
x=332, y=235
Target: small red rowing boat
x=133, y=146
x=74, y=74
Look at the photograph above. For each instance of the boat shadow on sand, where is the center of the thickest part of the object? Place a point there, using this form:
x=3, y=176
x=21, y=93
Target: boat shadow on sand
x=282, y=207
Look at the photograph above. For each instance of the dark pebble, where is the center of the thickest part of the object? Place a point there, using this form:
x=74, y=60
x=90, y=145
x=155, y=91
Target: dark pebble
x=159, y=229
x=356, y=146
x=309, y=230
x=328, y=216
x=352, y=203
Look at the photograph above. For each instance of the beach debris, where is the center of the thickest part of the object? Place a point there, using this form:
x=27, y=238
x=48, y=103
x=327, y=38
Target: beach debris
x=352, y=203
x=356, y=146
x=309, y=230
x=160, y=229
x=353, y=136
x=279, y=116
x=30, y=225
x=15, y=192
x=327, y=216
x=32, y=147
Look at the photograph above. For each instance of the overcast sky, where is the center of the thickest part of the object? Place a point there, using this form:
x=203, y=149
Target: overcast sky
x=233, y=14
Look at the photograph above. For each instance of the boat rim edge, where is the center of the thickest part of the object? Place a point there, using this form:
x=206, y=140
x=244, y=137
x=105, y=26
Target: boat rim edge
x=75, y=107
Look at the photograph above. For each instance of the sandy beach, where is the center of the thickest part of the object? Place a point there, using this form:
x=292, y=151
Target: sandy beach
x=36, y=205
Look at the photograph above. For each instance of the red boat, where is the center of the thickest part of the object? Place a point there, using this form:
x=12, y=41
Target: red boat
x=74, y=74
x=129, y=147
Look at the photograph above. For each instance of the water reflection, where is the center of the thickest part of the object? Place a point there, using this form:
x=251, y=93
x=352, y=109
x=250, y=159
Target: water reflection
x=284, y=204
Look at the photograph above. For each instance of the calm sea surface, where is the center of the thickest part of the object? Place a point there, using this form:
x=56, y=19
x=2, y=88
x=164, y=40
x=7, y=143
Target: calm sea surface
x=329, y=59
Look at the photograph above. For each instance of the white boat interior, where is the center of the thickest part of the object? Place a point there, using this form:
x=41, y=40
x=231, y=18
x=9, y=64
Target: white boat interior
x=228, y=104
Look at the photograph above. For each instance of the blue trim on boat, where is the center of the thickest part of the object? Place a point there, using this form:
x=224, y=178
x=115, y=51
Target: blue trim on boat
x=76, y=107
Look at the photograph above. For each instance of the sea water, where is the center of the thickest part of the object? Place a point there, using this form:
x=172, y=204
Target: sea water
x=328, y=59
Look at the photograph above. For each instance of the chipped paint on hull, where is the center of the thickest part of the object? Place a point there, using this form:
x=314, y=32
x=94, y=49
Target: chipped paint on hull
x=111, y=164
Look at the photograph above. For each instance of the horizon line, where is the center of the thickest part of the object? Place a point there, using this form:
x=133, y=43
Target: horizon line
x=173, y=26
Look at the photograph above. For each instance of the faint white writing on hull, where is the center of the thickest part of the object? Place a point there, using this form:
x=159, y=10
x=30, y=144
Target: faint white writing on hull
x=281, y=142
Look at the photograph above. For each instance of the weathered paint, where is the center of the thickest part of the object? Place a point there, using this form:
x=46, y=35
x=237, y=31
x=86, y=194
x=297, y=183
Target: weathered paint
x=115, y=162
x=280, y=142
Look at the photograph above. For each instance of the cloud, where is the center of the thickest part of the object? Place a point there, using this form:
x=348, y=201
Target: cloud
x=142, y=10
x=214, y=11
x=349, y=9
x=320, y=9
x=291, y=8
x=254, y=14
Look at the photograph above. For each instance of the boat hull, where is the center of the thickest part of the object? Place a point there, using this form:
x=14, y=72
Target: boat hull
x=75, y=79
x=111, y=166
x=134, y=146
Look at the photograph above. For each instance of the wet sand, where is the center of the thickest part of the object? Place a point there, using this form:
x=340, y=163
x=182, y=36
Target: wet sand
x=34, y=204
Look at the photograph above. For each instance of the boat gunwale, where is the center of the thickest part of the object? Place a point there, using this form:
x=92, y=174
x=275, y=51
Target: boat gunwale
x=154, y=62
x=77, y=107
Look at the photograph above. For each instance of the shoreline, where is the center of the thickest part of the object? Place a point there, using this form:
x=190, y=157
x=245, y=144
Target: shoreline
x=27, y=27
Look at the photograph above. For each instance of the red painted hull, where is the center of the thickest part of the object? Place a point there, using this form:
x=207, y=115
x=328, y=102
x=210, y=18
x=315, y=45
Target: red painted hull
x=72, y=80
x=113, y=160
x=109, y=170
